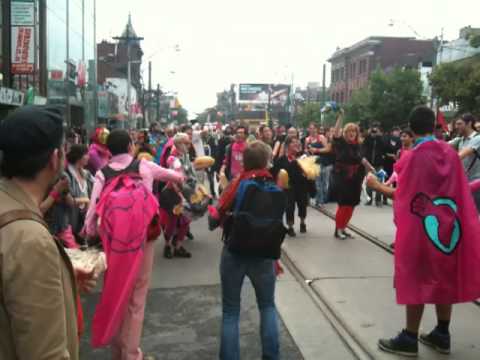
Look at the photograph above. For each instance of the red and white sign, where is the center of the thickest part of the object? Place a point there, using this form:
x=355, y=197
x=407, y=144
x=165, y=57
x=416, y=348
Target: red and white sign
x=22, y=49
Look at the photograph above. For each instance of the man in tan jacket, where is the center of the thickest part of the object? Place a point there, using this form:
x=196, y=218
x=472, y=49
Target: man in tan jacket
x=38, y=319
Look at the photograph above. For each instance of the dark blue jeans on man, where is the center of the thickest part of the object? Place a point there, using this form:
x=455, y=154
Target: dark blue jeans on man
x=261, y=272
x=323, y=185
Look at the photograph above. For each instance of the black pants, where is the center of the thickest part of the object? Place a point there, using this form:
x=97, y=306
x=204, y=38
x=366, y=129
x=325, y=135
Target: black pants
x=211, y=180
x=300, y=198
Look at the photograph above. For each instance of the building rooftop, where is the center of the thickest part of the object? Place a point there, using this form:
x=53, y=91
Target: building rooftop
x=371, y=40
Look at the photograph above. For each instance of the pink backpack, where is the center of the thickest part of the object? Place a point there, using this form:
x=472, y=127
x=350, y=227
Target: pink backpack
x=126, y=212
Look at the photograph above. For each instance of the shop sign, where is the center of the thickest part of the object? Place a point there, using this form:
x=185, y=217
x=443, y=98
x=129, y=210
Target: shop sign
x=11, y=97
x=23, y=13
x=22, y=49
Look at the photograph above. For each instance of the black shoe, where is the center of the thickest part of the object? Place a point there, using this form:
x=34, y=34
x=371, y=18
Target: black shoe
x=436, y=340
x=167, y=252
x=403, y=344
x=182, y=253
x=347, y=234
x=303, y=228
x=339, y=235
x=190, y=236
x=291, y=232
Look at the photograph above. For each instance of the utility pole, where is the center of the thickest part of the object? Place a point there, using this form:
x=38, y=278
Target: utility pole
x=158, y=102
x=324, y=86
x=129, y=38
x=67, y=73
x=149, y=92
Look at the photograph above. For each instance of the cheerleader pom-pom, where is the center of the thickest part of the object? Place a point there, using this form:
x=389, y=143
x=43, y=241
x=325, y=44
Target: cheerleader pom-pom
x=309, y=167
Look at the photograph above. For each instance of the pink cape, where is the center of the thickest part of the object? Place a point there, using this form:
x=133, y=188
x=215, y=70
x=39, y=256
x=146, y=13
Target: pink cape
x=124, y=256
x=437, y=245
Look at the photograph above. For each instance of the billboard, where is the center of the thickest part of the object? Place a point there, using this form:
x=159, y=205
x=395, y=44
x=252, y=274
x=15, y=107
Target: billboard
x=22, y=19
x=276, y=94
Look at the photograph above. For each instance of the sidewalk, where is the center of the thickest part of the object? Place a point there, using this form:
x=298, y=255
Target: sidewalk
x=356, y=278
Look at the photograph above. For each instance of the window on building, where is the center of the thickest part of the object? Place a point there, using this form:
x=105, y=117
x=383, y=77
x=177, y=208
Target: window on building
x=363, y=66
x=354, y=70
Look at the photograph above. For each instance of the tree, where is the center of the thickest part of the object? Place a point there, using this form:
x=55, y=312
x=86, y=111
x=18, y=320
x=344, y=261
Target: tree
x=358, y=108
x=394, y=95
x=458, y=83
x=309, y=112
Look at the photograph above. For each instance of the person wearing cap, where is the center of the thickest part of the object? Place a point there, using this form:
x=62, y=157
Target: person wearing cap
x=38, y=291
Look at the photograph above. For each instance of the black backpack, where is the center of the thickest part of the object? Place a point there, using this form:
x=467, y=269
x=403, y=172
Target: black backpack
x=256, y=226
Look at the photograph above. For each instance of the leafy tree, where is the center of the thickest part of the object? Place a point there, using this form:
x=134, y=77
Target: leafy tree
x=388, y=99
x=394, y=95
x=309, y=112
x=458, y=83
x=475, y=41
x=358, y=108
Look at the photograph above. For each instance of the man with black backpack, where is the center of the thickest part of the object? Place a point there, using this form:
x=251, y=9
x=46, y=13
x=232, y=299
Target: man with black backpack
x=251, y=210
x=468, y=146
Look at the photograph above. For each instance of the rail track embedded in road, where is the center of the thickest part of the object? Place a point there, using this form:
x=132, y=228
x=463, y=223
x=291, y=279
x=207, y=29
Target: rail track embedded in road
x=369, y=237
x=358, y=348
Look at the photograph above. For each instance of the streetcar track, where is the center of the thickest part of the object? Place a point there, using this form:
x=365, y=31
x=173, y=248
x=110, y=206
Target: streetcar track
x=369, y=237
x=357, y=347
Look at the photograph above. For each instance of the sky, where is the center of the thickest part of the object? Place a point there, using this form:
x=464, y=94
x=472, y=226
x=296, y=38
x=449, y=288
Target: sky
x=273, y=41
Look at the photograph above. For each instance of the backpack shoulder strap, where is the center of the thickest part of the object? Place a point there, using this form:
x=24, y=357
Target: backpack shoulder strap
x=109, y=173
x=20, y=214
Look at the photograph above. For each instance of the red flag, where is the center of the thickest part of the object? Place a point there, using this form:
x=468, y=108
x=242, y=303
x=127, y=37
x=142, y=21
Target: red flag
x=441, y=121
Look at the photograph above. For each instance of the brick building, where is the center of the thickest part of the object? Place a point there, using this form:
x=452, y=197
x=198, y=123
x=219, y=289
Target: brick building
x=113, y=58
x=351, y=67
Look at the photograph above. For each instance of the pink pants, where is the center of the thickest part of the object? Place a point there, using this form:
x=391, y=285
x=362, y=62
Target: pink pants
x=68, y=238
x=126, y=344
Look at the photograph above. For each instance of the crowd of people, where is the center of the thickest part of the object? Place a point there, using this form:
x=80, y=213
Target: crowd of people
x=124, y=188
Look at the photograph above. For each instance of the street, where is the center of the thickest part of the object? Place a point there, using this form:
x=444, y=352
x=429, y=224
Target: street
x=353, y=278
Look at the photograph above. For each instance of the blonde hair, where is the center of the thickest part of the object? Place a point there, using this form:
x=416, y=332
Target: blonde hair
x=179, y=138
x=354, y=127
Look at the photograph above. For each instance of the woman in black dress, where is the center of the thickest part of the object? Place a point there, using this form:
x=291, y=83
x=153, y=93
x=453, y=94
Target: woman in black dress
x=349, y=172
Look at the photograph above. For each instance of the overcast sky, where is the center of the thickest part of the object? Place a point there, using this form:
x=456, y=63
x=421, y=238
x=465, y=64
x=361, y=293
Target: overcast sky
x=224, y=41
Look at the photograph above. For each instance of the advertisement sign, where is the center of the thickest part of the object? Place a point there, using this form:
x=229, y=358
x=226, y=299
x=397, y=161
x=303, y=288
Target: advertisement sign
x=253, y=93
x=11, y=97
x=23, y=13
x=276, y=94
x=22, y=49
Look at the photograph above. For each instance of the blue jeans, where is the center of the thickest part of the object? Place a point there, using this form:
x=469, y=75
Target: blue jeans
x=261, y=273
x=323, y=185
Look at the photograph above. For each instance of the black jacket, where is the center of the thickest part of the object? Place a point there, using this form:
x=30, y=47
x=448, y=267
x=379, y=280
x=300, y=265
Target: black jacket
x=374, y=150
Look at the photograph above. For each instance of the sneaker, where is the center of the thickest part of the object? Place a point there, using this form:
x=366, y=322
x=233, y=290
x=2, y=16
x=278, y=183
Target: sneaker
x=403, y=345
x=368, y=203
x=190, y=236
x=303, y=228
x=167, y=252
x=347, y=234
x=339, y=235
x=436, y=340
x=291, y=232
x=181, y=252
